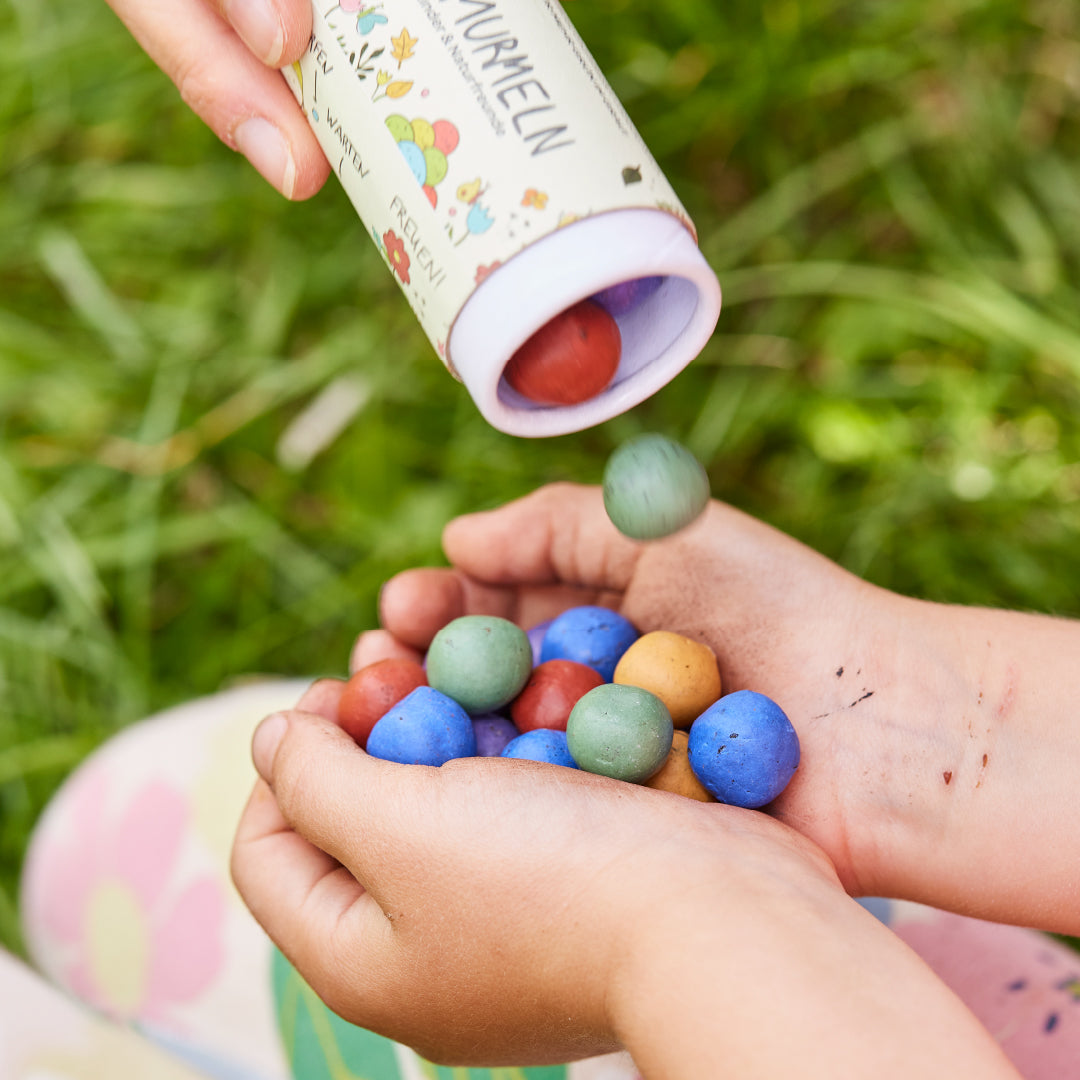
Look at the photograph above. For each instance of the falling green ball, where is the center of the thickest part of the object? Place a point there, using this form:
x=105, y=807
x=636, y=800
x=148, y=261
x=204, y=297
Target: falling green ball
x=653, y=487
x=620, y=731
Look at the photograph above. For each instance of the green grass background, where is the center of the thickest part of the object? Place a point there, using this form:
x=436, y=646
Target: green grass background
x=889, y=192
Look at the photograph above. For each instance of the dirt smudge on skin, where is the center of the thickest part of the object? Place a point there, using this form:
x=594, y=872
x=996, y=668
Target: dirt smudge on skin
x=865, y=694
x=1008, y=695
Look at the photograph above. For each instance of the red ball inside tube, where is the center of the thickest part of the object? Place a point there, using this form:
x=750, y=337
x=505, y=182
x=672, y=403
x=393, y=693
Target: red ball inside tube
x=569, y=359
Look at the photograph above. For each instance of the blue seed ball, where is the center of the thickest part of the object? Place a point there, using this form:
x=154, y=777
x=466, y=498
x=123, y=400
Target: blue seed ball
x=493, y=732
x=743, y=749
x=620, y=731
x=596, y=636
x=541, y=744
x=424, y=728
x=481, y=661
x=653, y=487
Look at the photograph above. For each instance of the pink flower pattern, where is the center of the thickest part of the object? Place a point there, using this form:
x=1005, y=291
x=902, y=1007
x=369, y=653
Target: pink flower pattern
x=136, y=941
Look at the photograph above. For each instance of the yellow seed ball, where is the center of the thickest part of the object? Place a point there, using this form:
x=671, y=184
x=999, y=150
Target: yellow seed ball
x=681, y=672
x=675, y=774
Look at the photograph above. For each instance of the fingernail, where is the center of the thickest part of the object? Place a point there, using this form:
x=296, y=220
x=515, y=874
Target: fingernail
x=265, y=742
x=265, y=147
x=259, y=26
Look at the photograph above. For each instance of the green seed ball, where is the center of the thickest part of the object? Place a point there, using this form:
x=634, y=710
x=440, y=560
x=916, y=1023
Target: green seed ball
x=480, y=661
x=620, y=731
x=653, y=487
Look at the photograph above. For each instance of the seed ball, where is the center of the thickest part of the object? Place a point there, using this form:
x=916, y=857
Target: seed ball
x=591, y=635
x=623, y=297
x=481, y=661
x=373, y=690
x=681, y=672
x=492, y=732
x=675, y=774
x=543, y=744
x=535, y=635
x=653, y=487
x=744, y=749
x=569, y=359
x=620, y=731
x=424, y=728
x=552, y=691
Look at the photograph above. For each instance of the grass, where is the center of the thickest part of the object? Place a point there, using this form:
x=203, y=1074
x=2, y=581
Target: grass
x=889, y=193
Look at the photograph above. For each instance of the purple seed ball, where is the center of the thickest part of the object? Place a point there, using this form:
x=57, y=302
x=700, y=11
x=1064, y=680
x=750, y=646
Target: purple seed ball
x=493, y=732
x=627, y=295
x=535, y=634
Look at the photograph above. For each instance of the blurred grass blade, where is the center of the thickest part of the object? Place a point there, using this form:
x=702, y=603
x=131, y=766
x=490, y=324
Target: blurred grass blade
x=159, y=422
x=10, y=926
x=980, y=307
x=57, y=753
x=768, y=214
x=65, y=564
x=85, y=290
x=327, y=415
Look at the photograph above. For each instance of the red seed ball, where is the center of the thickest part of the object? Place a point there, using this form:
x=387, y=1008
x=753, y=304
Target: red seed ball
x=569, y=359
x=552, y=691
x=373, y=691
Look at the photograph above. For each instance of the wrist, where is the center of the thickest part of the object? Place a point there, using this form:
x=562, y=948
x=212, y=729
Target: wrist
x=771, y=978
x=880, y=738
x=960, y=761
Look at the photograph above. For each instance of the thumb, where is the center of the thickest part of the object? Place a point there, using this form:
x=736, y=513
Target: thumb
x=330, y=792
x=293, y=855
x=559, y=534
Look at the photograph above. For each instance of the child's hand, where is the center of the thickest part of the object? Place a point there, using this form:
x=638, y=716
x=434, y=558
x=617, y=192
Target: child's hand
x=223, y=56
x=938, y=743
x=508, y=912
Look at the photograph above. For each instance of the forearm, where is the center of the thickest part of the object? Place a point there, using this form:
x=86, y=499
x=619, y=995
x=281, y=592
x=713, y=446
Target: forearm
x=825, y=992
x=965, y=808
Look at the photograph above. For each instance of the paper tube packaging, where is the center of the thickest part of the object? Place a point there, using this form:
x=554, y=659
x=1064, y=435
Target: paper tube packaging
x=503, y=182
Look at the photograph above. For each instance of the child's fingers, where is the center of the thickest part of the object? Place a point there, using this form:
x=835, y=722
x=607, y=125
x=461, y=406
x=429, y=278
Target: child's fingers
x=375, y=645
x=276, y=31
x=330, y=792
x=416, y=604
x=275, y=868
x=302, y=897
x=558, y=534
x=246, y=104
x=322, y=698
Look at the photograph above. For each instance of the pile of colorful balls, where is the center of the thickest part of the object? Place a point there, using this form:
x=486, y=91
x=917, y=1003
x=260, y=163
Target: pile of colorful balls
x=585, y=690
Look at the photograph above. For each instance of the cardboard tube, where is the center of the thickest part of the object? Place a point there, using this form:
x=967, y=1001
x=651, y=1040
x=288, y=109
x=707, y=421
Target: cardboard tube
x=503, y=182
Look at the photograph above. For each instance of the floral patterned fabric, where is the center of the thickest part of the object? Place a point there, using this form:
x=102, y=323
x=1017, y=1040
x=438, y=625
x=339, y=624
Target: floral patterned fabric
x=1023, y=986
x=127, y=901
x=44, y=1035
